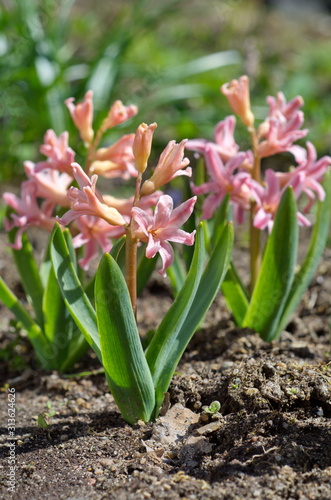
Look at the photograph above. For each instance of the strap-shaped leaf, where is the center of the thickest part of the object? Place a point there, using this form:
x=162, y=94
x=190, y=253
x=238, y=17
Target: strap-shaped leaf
x=144, y=271
x=220, y=219
x=116, y=252
x=277, y=271
x=177, y=274
x=29, y=275
x=35, y=333
x=317, y=244
x=123, y=358
x=72, y=291
x=187, y=311
x=54, y=308
x=164, y=353
x=77, y=347
x=235, y=294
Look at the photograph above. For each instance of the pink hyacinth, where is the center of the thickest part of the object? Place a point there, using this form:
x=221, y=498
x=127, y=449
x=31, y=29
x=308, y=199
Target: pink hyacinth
x=224, y=179
x=158, y=229
x=88, y=201
x=94, y=233
x=224, y=140
x=60, y=155
x=28, y=212
x=82, y=116
x=268, y=198
x=51, y=184
x=282, y=126
x=116, y=160
x=170, y=165
x=237, y=93
x=142, y=145
x=124, y=205
x=309, y=173
x=119, y=113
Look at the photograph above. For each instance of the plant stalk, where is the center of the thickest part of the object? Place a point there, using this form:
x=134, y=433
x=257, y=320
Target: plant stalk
x=131, y=252
x=255, y=250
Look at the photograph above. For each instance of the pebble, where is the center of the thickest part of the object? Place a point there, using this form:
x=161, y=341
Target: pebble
x=206, y=429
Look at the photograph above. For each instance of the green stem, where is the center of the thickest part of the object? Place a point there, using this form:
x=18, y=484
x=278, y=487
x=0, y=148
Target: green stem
x=255, y=250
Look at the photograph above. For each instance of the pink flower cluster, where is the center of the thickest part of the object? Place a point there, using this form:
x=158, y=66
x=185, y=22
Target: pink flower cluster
x=230, y=171
x=99, y=219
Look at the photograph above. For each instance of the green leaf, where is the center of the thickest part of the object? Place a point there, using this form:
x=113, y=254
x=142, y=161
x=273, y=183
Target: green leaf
x=220, y=219
x=276, y=273
x=163, y=344
x=77, y=347
x=235, y=294
x=117, y=248
x=177, y=274
x=308, y=267
x=35, y=333
x=189, y=308
x=67, y=344
x=123, y=357
x=54, y=308
x=144, y=271
x=29, y=275
x=72, y=291
x=117, y=252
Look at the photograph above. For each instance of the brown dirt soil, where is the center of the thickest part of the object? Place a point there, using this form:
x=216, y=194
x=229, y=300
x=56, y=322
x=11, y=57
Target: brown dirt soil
x=270, y=440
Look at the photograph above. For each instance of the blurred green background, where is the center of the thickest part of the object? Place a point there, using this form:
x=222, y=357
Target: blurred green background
x=168, y=57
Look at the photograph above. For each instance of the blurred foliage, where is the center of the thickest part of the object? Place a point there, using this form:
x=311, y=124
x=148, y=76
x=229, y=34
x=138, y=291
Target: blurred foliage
x=169, y=58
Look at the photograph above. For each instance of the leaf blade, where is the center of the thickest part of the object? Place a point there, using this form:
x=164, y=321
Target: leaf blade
x=163, y=354
x=314, y=253
x=235, y=294
x=29, y=275
x=73, y=293
x=277, y=271
x=123, y=358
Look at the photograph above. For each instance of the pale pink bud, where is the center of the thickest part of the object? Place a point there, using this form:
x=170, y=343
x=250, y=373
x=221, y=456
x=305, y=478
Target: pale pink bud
x=119, y=113
x=82, y=116
x=170, y=165
x=237, y=93
x=142, y=145
x=88, y=201
x=116, y=160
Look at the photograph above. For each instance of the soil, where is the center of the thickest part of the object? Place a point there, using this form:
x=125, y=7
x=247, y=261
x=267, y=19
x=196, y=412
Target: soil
x=270, y=439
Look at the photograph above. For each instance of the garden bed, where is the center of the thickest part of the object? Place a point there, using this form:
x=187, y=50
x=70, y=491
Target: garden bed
x=271, y=439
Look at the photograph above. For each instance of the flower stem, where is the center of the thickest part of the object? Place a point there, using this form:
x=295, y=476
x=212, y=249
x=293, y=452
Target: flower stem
x=131, y=252
x=255, y=251
x=131, y=265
